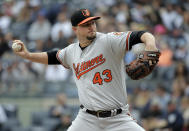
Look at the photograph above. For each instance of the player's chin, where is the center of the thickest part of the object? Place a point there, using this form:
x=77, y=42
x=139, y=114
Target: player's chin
x=91, y=36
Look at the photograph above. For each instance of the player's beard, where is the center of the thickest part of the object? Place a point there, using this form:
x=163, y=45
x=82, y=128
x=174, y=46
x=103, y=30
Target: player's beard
x=91, y=37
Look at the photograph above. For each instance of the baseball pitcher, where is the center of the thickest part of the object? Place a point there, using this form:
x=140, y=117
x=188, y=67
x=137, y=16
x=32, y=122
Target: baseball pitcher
x=99, y=72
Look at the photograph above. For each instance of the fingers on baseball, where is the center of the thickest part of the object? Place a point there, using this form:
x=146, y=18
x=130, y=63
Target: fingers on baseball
x=17, y=41
x=20, y=43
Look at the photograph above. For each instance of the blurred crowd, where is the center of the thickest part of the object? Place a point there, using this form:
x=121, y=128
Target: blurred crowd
x=45, y=25
x=57, y=118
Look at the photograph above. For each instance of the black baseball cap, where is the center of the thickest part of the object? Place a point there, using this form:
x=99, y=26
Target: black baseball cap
x=82, y=16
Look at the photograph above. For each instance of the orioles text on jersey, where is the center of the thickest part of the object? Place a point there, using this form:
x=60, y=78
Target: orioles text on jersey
x=86, y=66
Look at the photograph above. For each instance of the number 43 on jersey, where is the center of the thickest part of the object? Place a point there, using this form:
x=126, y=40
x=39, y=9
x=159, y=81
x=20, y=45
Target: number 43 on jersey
x=98, y=79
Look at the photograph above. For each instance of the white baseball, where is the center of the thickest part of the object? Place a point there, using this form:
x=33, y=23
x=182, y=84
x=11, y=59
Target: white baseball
x=16, y=47
x=138, y=48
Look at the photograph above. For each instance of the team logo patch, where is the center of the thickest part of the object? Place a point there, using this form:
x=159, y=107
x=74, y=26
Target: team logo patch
x=86, y=12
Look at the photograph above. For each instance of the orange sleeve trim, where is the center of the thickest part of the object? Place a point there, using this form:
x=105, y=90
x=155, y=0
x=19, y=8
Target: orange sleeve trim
x=57, y=56
x=127, y=40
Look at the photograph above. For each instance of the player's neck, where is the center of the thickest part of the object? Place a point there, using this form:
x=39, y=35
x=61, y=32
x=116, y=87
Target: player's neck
x=85, y=43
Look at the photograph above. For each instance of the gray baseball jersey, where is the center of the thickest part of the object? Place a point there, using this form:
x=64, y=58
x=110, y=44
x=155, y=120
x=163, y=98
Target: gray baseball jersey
x=99, y=70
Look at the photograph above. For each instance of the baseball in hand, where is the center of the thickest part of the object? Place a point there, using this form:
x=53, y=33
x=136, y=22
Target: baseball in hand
x=138, y=48
x=16, y=47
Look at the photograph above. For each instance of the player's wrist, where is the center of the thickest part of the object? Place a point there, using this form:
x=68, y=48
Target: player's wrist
x=151, y=48
x=150, y=45
x=27, y=55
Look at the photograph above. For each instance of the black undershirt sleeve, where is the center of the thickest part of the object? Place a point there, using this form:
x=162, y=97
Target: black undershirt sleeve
x=135, y=38
x=52, y=60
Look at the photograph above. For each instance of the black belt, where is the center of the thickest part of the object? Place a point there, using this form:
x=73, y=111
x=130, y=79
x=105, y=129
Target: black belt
x=101, y=113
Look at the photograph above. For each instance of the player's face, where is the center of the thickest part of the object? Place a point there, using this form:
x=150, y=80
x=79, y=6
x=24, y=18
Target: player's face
x=87, y=30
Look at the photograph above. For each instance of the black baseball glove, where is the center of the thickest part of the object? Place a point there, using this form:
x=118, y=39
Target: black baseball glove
x=143, y=65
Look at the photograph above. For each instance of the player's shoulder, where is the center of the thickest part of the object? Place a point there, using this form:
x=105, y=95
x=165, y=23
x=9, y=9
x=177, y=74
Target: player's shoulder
x=100, y=35
x=116, y=34
x=112, y=35
x=72, y=45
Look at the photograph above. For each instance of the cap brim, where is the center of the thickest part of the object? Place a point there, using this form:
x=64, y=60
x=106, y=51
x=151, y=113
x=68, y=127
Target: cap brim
x=89, y=19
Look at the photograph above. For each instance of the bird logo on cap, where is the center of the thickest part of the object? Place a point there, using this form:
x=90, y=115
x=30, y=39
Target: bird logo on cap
x=86, y=12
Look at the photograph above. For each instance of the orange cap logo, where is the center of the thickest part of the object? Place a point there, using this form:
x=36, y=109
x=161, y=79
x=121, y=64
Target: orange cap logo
x=85, y=12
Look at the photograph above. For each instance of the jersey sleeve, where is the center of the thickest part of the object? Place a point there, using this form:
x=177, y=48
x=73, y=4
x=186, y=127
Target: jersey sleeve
x=63, y=57
x=119, y=41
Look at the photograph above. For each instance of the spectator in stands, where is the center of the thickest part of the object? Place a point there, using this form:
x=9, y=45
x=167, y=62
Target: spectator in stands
x=165, y=64
x=20, y=27
x=185, y=111
x=186, y=21
x=179, y=82
x=1, y=70
x=162, y=96
x=57, y=110
x=3, y=117
x=3, y=45
x=39, y=29
x=174, y=118
x=171, y=18
x=142, y=97
x=61, y=30
x=61, y=112
x=56, y=73
x=64, y=123
x=154, y=110
x=5, y=22
x=137, y=13
x=176, y=93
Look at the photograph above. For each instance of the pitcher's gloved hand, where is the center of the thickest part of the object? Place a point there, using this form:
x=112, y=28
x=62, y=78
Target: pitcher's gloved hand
x=143, y=65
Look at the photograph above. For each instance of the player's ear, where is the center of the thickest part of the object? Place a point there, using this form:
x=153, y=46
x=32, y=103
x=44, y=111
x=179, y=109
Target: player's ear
x=74, y=28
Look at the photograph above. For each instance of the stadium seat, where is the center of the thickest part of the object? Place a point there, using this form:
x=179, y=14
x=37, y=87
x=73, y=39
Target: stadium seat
x=38, y=118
